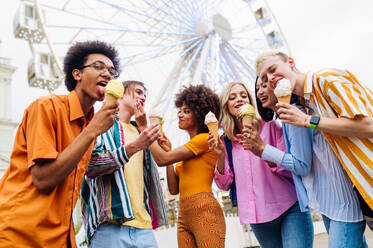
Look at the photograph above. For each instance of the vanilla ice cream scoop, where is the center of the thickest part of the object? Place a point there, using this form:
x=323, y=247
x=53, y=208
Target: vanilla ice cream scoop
x=212, y=124
x=210, y=117
x=283, y=91
x=283, y=88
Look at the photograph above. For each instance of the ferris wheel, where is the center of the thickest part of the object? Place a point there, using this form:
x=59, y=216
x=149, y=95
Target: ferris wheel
x=174, y=42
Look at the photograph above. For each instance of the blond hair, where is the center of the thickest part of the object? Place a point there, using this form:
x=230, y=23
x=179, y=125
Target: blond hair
x=226, y=119
x=260, y=59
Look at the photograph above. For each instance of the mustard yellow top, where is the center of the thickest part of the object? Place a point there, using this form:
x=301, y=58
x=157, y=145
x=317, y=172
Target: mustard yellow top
x=196, y=174
x=134, y=174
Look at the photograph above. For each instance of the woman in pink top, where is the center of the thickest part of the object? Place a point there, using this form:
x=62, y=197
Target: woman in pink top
x=265, y=194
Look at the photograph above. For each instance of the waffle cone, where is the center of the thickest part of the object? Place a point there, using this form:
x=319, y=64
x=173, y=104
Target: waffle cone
x=247, y=120
x=156, y=120
x=110, y=99
x=284, y=99
x=213, y=128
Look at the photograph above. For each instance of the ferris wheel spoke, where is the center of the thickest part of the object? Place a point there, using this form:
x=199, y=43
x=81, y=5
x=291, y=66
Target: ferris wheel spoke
x=160, y=48
x=121, y=30
x=142, y=14
x=202, y=60
x=223, y=67
x=183, y=10
x=240, y=60
x=251, y=38
x=246, y=28
x=181, y=15
x=205, y=8
x=229, y=65
x=239, y=10
x=46, y=6
x=187, y=69
x=226, y=76
x=168, y=13
x=190, y=47
x=257, y=52
x=197, y=9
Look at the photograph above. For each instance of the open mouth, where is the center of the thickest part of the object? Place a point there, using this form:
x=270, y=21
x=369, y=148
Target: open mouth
x=263, y=99
x=101, y=84
x=101, y=88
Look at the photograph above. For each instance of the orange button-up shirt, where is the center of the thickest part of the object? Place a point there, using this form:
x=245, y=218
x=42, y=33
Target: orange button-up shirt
x=29, y=218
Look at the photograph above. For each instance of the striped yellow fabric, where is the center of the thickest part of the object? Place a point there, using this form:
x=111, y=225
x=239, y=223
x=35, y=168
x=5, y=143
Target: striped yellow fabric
x=337, y=93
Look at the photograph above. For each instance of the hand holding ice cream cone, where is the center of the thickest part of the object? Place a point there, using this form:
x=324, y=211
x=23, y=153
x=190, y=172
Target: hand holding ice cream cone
x=212, y=124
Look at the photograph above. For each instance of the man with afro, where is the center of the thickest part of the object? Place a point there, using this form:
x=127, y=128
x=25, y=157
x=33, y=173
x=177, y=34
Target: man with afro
x=51, y=151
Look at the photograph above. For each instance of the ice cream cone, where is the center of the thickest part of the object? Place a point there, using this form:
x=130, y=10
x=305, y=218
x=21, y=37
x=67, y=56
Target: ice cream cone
x=247, y=120
x=284, y=99
x=110, y=99
x=158, y=120
x=213, y=128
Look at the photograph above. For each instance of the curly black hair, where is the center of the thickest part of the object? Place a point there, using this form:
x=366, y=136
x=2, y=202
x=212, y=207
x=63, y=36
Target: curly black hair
x=200, y=100
x=266, y=113
x=77, y=55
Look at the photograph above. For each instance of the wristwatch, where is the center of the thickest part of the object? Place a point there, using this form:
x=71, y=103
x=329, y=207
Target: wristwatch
x=314, y=121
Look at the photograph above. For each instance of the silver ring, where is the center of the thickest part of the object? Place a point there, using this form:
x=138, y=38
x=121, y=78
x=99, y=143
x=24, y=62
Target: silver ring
x=248, y=135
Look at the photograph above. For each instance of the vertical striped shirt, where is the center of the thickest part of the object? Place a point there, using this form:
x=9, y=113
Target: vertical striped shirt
x=337, y=93
x=104, y=191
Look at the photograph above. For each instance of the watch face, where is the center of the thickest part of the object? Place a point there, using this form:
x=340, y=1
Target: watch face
x=315, y=120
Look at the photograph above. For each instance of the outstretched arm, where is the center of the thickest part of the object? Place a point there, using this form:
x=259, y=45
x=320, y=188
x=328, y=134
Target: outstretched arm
x=105, y=161
x=48, y=173
x=172, y=178
x=359, y=126
x=163, y=158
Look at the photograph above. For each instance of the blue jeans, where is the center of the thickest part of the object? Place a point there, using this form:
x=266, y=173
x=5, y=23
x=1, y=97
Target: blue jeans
x=345, y=234
x=115, y=235
x=292, y=229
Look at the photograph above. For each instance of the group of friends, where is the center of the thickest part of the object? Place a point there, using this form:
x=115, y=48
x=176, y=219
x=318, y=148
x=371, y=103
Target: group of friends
x=321, y=157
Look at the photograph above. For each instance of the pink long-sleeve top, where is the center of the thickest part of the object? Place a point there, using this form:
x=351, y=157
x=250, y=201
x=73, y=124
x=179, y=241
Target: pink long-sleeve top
x=263, y=193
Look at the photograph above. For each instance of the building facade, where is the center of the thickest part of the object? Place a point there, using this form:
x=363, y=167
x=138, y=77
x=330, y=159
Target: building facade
x=7, y=126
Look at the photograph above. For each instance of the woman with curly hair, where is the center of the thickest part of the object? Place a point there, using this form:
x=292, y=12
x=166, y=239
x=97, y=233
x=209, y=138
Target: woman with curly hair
x=201, y=221
x=266, y=196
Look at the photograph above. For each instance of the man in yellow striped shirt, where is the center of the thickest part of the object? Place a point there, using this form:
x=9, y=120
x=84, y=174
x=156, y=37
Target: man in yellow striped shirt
x=345, y=118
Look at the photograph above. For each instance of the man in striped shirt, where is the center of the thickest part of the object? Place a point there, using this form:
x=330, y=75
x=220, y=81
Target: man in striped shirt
x=345, y=117
x=122, y=198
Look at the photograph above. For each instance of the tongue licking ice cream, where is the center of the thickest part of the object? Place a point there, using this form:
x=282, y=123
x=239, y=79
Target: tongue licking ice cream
x=283, y=91
x=247, y=114
x=113, y=90
x=213, y=124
